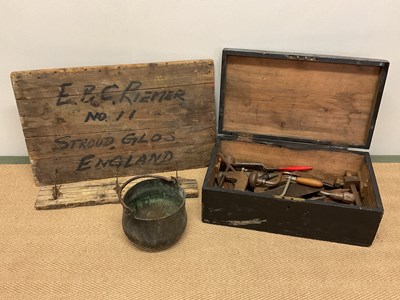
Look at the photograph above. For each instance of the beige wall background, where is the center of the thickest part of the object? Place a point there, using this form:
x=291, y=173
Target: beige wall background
x=51, y=34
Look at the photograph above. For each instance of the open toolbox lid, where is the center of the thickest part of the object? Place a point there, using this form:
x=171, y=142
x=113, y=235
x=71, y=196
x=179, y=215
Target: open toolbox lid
x=300, y=97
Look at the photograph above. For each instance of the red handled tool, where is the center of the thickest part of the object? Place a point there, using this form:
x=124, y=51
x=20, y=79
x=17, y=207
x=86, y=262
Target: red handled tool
x=289, y=169
x=262, y=168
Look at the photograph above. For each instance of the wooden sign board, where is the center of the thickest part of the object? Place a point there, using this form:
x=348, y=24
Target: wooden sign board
x=94, y=122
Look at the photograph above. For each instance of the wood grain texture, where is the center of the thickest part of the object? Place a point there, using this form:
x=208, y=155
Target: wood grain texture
x=300, y=99
x=38, y=84
x=87, y=193
x=85, y=123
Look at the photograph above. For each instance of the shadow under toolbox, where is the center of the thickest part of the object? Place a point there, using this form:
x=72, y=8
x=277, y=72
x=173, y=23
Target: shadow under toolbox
x=283, y=109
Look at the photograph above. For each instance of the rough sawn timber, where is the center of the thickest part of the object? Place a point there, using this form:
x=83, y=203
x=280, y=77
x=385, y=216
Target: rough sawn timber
x=86, y=123
x=94, y=192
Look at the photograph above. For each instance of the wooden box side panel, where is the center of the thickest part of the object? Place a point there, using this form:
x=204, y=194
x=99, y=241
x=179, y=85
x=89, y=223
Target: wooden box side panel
x=317, y=221
x=94, y=122
x=315, y=101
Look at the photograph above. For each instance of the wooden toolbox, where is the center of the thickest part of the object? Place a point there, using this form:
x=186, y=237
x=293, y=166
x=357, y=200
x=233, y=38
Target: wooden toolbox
x=283, y=109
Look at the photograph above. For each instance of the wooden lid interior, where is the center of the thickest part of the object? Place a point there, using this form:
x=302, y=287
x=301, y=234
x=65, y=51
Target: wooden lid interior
x=323, y=102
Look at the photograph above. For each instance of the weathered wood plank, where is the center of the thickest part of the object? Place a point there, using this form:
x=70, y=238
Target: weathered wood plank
x=38, y=84
x=122, y=142
x=97, y=166
x=300, y=99
x=43, y=117
x=94, y=193
x=90, y=123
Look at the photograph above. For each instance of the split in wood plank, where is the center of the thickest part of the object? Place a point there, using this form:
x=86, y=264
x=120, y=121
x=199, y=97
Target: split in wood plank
x=94, y=192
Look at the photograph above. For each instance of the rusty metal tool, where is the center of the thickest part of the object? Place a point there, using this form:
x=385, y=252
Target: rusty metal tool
x=238, y=177
x=345, y=197
x=338, y=182
x=261, y=179
x=227, y=160
x=353, y=182
x=56, y=188
x=283, y=194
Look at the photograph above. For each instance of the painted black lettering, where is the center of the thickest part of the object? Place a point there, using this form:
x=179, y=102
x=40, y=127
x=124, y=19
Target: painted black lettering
x=160, y=95
x=87, y=90
x=64, y=144
x=84, y=163
x=116, y=161
x=121, y=113
x=90, y=143
x=92, y=116
x=129, y=139
x=132, y=86
x=132, y=114
x=168, y=155
x=146, y=97
x=105, y=91
x=63, y=94
x=102, y=163
x=137, y=96
x=97, y=116
x=83, y=144
x=74, y=142
x=143, y=139
x=128, y=162
x=179, y=95
x=170, y=137
x=108, y=141
x=141, y=160
x=154, y=158
x=169, y=95
x=156, y=137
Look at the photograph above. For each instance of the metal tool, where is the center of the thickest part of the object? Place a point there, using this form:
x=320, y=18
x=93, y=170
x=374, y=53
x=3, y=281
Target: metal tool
x=263, y=168
x=227, y=160
x=282, y=195
x=338, y=182
x=56, y=188
x=353, y=182
x=344, y=197
x=261, y=179
x=238, y=177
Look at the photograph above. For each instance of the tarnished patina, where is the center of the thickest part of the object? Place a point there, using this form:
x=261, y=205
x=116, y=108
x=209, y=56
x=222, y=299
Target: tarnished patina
x=154, y=213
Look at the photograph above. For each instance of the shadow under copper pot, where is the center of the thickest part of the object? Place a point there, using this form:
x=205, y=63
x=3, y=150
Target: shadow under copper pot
x=154, y=214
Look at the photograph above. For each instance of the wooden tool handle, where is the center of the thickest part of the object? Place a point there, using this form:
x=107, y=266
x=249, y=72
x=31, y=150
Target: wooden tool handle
x=309, y=182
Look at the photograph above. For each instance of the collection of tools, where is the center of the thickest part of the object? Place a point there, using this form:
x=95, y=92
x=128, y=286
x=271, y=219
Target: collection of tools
x=292, y=183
